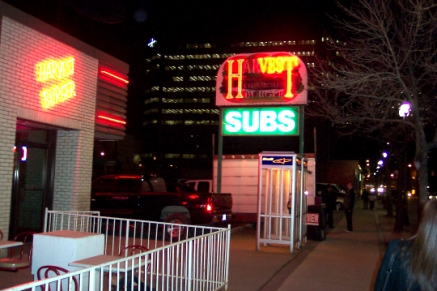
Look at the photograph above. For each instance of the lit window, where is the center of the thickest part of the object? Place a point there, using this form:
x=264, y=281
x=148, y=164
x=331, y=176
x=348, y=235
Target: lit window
x=155, y=88
x=172, y=111
x=172, y=100
x=172, y=156
x=151, y=100
x=172, y=122
x=188, y=156
x=178, y=79
x=181, y=67
x=150, y=111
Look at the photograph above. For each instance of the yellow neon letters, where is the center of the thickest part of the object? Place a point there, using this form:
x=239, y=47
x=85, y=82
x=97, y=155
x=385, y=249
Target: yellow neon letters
x=57, y=94
x=272, y=65
x=238, y=75
x=56, y=71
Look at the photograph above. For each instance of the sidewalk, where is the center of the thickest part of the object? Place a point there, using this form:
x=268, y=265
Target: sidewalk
x=344, y=261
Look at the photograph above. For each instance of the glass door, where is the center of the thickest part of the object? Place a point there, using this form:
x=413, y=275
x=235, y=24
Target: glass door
x=31, y=189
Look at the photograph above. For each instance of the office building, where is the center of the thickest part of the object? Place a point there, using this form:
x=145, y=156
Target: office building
x=180, y=119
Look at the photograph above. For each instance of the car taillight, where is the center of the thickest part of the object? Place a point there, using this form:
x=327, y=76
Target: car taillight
x=209, y=206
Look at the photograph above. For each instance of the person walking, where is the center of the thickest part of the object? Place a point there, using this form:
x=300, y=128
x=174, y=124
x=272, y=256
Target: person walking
x=411, y=264
x=329, y=198
x=348, y=205
x=365, y=197
x=372, y=199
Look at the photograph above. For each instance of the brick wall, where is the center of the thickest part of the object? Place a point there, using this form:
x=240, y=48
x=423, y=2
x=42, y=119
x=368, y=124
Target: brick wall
x=21, y=48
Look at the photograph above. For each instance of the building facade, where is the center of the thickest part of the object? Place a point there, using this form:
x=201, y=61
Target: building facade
x=58, y=95
x=180, y=116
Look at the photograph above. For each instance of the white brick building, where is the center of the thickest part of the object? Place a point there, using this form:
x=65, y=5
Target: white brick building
x=57, y=96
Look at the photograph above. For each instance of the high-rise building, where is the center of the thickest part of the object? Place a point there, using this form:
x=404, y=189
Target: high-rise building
x=180, y=119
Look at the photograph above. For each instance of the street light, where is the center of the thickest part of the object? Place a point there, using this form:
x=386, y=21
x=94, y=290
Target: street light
x=404, y=110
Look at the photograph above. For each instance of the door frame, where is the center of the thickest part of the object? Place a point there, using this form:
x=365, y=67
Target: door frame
x=48, y=178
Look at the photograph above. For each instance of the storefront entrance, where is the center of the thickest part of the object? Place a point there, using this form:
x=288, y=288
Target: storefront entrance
x=32, y=188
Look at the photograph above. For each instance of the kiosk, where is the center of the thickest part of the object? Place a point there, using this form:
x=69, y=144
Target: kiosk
x=282, y=202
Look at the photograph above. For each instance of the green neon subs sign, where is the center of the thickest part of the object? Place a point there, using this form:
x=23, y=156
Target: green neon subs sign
x=261, y=121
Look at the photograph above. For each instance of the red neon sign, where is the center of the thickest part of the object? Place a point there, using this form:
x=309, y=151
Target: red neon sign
x=58, y=71
x=111, y=119
x=262, y=78
x=114, y=76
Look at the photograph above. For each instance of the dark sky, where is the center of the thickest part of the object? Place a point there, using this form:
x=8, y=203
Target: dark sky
x=122, y=28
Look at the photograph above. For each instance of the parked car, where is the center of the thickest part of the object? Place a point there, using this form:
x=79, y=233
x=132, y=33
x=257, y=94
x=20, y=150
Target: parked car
x=149, y=197
x=339, y=191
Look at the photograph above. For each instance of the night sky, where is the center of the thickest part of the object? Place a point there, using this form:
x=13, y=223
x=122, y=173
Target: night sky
x=123, y=28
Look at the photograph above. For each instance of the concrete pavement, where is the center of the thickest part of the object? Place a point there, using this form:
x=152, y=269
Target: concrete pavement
x=344, y=261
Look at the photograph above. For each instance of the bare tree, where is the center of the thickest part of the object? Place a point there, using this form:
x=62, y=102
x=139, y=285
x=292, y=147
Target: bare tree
x=389, y=57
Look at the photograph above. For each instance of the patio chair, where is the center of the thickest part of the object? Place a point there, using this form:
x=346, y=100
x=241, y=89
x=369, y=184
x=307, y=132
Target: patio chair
x=50, y=271
x=13, y=262
x=127, y=251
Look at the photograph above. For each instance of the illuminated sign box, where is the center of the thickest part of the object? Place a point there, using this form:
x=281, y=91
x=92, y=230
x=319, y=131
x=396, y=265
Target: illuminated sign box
x=252, y=121
x=278, y=78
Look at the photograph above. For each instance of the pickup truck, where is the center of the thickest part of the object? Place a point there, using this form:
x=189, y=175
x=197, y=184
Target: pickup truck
x=149, y=197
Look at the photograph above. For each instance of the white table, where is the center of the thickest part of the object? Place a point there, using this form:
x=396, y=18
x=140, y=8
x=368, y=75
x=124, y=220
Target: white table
x=122, y=267
x=61, y=247
x=9, y=243
x=101, y=259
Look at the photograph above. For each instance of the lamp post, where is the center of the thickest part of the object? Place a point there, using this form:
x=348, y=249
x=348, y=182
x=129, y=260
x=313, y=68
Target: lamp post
x=404, y=112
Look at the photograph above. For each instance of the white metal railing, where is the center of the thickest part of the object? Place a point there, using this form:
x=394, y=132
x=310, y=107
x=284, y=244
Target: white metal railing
x=197, y=259
x=120, y=232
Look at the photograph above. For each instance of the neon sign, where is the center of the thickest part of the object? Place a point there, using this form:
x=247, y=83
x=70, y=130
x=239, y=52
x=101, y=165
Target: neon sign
x=114, y=76
x=111, y=119
x=58, y=73
x=52, y=69
x=260, y=121
x=262, y=78
x=151, y=43
x=23, y=153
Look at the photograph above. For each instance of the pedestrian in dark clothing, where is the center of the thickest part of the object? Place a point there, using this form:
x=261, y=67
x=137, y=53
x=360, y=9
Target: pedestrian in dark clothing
x=348, y=204
x=329, y=198
x=411, y=264
x=365, y=197
x=372, y=199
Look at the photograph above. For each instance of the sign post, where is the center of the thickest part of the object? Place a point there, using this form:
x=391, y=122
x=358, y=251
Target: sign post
x=261, y=94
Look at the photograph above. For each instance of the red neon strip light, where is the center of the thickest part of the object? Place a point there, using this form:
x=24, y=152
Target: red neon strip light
x=111, y=119
x=114, y=76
